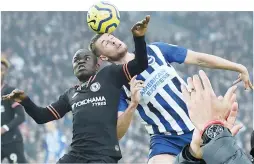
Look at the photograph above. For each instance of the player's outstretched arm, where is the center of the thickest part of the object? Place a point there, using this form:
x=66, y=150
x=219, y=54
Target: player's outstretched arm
x=173, y=53
x=215, y=62
x=124, y=73
x=125, y=115
x=39, y=114
x=140, y=62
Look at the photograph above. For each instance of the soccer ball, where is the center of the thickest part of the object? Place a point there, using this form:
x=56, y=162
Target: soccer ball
x=103, y=17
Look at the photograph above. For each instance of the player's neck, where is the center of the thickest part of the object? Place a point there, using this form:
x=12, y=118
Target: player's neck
x=128, y=57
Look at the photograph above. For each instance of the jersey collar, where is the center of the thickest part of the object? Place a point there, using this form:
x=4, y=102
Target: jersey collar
x=87, y=83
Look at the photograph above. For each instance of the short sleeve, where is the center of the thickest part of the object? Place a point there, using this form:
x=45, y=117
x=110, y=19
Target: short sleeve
x=172, y=53
x=60, y=107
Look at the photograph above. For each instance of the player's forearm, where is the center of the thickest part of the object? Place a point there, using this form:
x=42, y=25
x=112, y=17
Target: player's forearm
x=215, y=62
x=18, y=119
x=123, y=122
x=140, y=62
x=39, y=114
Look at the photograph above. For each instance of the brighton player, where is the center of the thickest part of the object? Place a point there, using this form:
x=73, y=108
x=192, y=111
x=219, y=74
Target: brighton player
x=162, y=108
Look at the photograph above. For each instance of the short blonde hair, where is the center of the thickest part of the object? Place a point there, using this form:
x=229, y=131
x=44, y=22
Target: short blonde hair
x=92, y=47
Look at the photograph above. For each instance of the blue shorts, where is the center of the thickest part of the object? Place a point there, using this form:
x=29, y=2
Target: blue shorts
x=168, y=144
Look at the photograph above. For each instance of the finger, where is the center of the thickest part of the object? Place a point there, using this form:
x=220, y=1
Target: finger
x=251, y=86
x=138, y=88
x=220, y=98
x=233, y=114
x=190, y=84
x=16, y=91
x=233, y=98
x=206, y=82
x=140, y=85
x=137, y=25
x=237, y=81
x=139, y=81
x=148, y=19
x=5, y=97
x=197, y=84
x=235, y=129
x=246, y=85
x=186, y=94
x=230, y=92
x=133, y=79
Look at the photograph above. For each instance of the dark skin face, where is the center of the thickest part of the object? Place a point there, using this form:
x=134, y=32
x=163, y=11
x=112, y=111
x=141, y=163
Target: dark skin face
x=3, y=72
x=84, y=65
x=110, y=48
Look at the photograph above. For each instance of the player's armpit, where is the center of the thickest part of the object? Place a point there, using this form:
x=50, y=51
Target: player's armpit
x=193, y=58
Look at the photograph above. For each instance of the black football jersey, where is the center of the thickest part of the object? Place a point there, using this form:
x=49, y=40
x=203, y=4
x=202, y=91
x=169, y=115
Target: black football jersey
x=94, y=106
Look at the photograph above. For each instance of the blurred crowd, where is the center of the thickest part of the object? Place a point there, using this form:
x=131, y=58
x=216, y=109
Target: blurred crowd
x=40, y=46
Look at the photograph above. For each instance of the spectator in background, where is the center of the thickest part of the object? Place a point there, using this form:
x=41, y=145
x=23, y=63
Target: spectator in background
x=54, y=143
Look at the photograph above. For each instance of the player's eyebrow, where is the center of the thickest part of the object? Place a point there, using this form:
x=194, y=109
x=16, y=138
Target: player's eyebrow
x=102, y=41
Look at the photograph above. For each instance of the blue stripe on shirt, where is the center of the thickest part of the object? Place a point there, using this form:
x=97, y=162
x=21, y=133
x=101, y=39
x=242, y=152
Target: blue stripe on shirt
x=177, y=99
x=171, y=111
x=147, y=119
x=161, y=118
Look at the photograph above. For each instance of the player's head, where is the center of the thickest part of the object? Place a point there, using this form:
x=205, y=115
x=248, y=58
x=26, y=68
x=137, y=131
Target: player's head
x=4, y=67
x=85, y=64
x=108, y=47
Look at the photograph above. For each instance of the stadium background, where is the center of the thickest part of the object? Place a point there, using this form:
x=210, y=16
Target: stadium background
x=40, y=46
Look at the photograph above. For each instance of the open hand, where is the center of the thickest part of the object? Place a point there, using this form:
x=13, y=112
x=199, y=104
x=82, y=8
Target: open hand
x=16, y=95
x=202, y=103
x=139, y=29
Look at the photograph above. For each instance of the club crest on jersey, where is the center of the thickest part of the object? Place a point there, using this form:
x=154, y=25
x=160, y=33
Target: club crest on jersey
x=95, y=87
x=151, y=60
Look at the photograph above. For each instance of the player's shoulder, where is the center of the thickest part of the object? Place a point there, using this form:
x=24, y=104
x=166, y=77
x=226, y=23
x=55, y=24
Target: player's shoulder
x=161, y=44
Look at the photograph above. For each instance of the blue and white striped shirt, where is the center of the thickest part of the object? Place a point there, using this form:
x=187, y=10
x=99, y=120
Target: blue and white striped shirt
x=162, y=108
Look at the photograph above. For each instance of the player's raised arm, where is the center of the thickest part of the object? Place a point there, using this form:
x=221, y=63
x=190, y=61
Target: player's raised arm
x=140, y=62
x=180, y=55
x=41, y=115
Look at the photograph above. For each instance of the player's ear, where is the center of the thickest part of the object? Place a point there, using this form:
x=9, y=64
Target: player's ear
x=103, y=58
x=97, y=66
